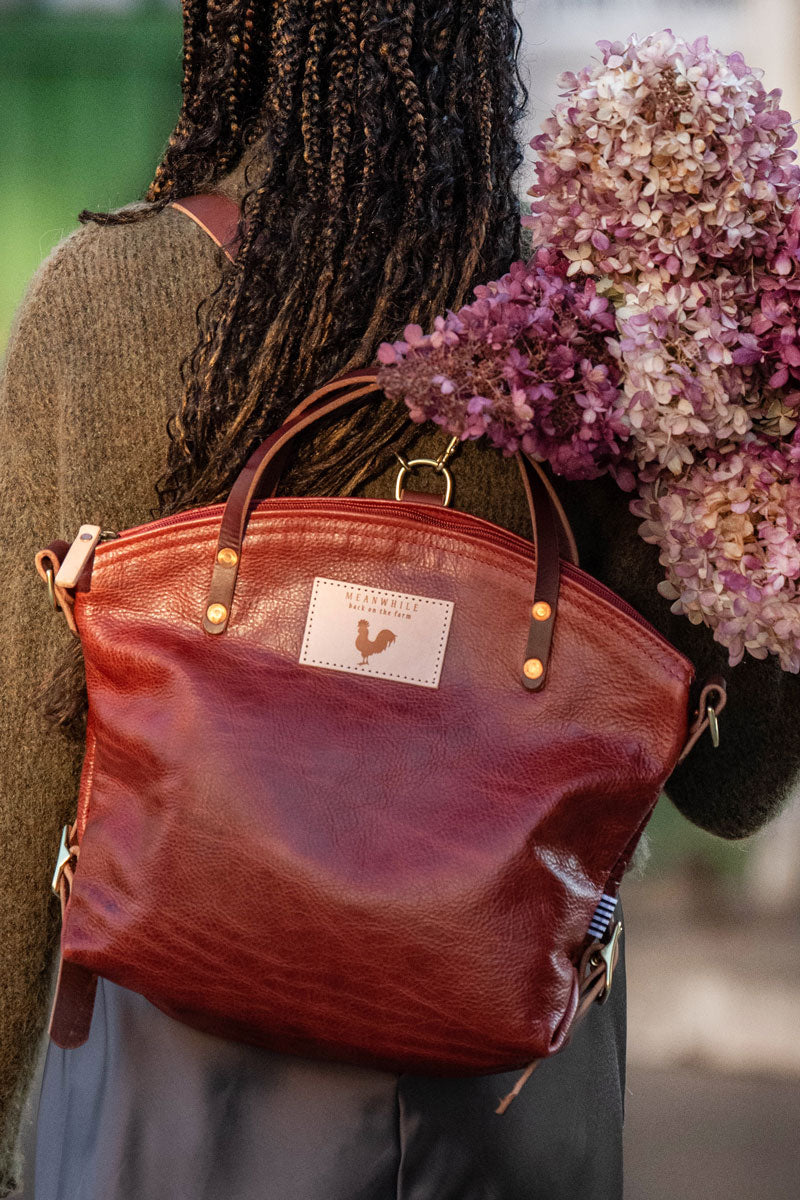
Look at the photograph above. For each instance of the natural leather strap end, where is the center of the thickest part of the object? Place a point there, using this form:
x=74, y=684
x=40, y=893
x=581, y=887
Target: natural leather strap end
x=48, y=563
x=217, y=215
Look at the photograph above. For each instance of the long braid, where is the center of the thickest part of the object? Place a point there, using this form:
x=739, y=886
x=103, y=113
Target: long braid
x=312, y=101
x=341, y=107
x=195, y=24
x=342, y=104
x=483, y=172
x=289, y=47
x=312, y=112
x=404, y=12
x=366, y=85
x=438, y=96
x=225, y=29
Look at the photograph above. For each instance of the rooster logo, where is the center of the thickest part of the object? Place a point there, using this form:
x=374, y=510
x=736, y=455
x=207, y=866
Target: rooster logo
x=367, y=647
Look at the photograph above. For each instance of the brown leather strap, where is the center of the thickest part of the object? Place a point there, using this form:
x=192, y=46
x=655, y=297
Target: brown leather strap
x=217, y=216
x=569, y=547
x=435, y=499
x=261, y=473
x=73, y=1003
x=71, y=1016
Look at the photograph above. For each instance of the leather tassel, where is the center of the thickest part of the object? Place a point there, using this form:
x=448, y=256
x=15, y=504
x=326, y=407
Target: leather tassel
x=518, y=1086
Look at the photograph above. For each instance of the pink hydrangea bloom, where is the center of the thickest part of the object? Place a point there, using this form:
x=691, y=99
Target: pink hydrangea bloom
x=773, y=320
x=727, y=532
x=529, y=363
x=684, y=392
x=663, y=158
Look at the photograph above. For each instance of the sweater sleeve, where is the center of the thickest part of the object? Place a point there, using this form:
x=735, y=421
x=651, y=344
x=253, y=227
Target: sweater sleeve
x=39, y=769
x=736, y=788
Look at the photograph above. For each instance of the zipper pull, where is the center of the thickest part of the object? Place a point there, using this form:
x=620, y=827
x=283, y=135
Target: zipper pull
x=78, y=555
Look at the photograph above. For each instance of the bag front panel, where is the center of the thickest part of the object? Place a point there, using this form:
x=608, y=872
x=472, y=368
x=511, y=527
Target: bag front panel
x=350, y=866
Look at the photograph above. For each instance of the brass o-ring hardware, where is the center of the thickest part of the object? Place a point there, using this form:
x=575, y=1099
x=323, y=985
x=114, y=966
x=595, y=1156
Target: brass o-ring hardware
x=533, y=668
x=409, y=465
x=227, y=557
x=439, y=465
x=216, y=613
x=541, y=611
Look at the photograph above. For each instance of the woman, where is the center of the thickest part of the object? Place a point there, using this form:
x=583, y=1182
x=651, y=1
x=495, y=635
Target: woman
x=372, y=146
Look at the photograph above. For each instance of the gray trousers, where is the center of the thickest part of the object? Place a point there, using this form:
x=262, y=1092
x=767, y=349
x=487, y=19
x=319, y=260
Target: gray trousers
x=150, y=1108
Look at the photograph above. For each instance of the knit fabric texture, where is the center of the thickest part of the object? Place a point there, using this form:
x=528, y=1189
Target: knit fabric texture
x=90, y=378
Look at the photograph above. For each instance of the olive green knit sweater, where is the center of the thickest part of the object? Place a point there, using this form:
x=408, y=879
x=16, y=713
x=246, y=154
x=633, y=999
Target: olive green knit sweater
x=90, y=378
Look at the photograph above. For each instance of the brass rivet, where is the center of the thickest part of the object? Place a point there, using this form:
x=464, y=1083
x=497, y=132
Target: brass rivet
x=228, y=557
x=533, y=668
x=541, y=610
x=216, y=613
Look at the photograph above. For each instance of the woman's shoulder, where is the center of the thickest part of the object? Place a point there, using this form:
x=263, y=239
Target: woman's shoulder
x=95, y=352
x=136, y=263
x=108, y=316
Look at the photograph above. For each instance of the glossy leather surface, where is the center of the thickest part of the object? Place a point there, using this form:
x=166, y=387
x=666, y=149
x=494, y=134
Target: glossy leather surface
x=346, y=867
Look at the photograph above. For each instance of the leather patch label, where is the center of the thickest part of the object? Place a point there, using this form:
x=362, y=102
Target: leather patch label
x=368, y=631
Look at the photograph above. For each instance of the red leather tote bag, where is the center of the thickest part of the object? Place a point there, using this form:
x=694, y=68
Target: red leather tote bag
x=359, y=773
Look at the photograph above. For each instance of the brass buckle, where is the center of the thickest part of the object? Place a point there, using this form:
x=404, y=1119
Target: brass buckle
x=438, y=464
x=64, y=857
x=607, y=955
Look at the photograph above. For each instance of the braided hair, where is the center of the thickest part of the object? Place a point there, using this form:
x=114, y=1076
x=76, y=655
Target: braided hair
x=378, y=144
x=380, y=141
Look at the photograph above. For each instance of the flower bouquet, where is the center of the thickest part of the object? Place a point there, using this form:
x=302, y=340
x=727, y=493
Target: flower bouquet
x=653, y=335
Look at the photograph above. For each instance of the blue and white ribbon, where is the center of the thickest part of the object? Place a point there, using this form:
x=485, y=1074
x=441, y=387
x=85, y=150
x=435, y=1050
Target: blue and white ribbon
x=602, y=915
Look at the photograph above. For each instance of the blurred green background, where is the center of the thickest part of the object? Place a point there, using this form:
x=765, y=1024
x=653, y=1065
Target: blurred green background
x=88, y=102
x=89, y=99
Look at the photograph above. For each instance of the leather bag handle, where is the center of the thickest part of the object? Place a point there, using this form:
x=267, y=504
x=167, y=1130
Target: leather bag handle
x=261, y=473
x=364, y=375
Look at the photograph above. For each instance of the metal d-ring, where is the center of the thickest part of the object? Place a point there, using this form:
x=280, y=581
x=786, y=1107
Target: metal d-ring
x=438, y=464
x=713, y=725
x=51, y=589
x=606, y=955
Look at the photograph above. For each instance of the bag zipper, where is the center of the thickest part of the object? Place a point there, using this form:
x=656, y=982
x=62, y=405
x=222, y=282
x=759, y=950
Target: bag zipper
x=487, y=532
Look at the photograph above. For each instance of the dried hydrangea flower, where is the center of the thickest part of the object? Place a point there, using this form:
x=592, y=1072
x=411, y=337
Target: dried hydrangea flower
x=727, y=531
x=661, y=160
x=684, y=390
x=529, y=363
x=773, y=319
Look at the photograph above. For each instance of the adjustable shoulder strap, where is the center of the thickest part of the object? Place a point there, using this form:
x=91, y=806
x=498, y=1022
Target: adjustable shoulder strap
x=217, y=216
